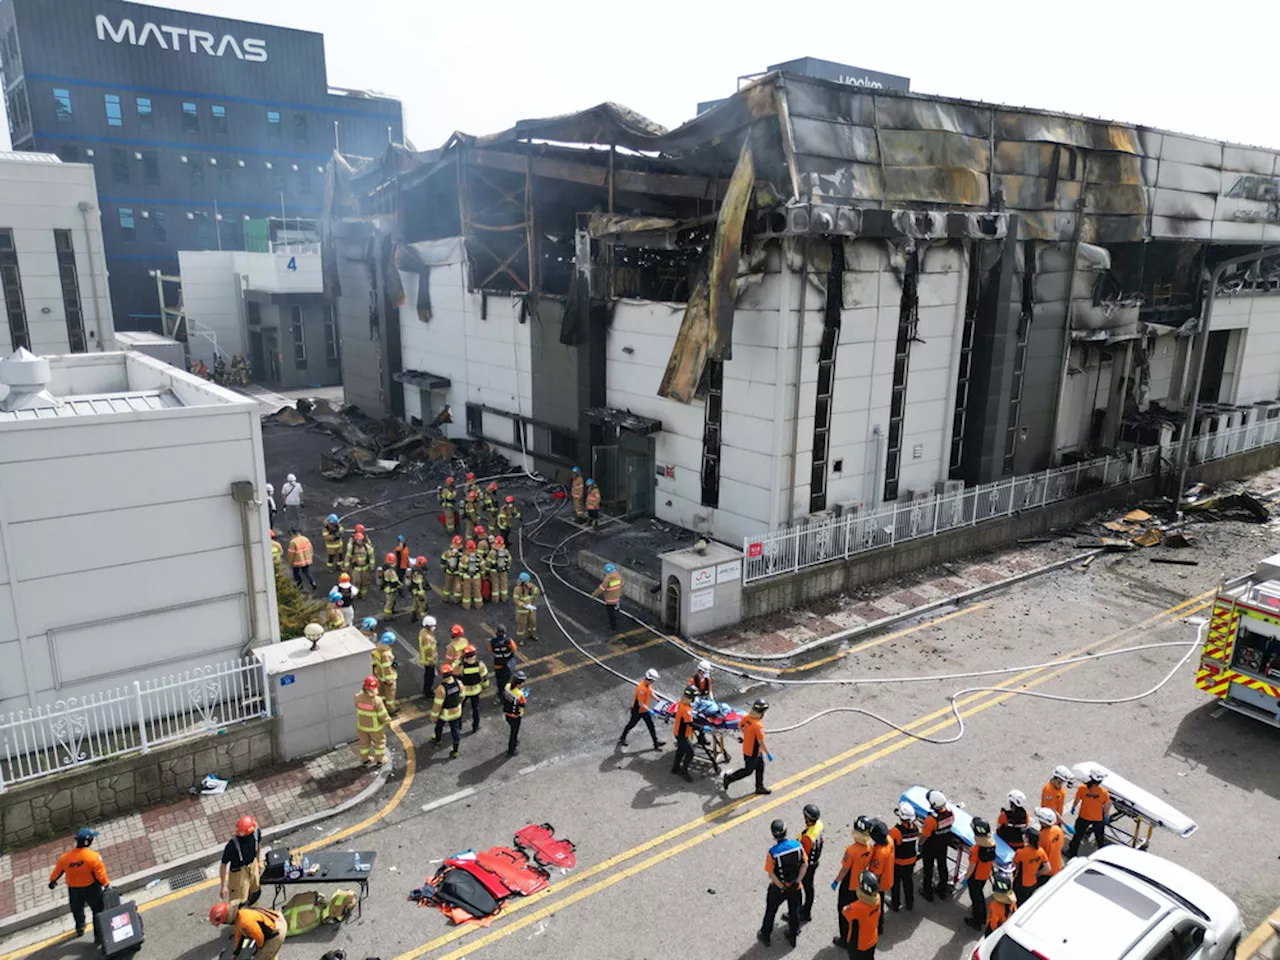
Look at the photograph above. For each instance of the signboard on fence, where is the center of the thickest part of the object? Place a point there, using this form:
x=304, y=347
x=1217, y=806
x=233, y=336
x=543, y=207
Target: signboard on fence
x=755, y=549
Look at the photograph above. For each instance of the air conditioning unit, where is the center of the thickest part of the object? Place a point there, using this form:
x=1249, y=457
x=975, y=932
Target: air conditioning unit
x=921, y=224
x=986, y=226
x=821, y=219
x=916, y=496
x=821, y=517
x=949, y=488
x=847, y=508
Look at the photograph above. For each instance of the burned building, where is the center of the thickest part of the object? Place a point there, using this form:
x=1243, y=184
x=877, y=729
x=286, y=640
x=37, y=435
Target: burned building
x=810, y=298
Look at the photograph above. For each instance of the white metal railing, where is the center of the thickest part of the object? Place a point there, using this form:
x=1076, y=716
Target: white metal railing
x=814, y=542
x=69, y=733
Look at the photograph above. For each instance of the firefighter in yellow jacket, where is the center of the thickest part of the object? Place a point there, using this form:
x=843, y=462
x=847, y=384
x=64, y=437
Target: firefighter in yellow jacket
x=578, y=491
x=371, y=723
x=331, y=534
x=447, y=708
x=499, y=566
x=471, y=507
x=389, y=577
x=418, y=588
x=610, y=592
x=490, y=503
x=277, y=551
x=524, y=595
x=359, y=561
x=384, y=668
x=471, y=571
x=457, y=644
x=428, y=653
x=451, y=561
x=507, y=517
x=449, y=504
x=474, y=677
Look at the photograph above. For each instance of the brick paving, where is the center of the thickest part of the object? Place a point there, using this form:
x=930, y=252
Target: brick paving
x=781, y=633
x=166, y=833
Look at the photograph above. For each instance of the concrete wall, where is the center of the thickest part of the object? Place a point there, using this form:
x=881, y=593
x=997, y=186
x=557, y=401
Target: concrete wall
x=37, y=198
x=212, y=297
x=56, y=805
x=364, y=354
x=637, y=588
x=1257, y=376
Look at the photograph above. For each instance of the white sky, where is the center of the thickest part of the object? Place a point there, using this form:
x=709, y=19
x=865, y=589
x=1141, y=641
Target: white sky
x=1202, y=68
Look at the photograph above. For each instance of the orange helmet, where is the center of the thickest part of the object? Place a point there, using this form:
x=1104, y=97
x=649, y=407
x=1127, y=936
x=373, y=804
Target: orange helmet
x=370, y=682
x=468, y=651
x=499, y=542
x=390, y=558
x=421, y=561
x=470, y=477
x=446, y=670
x=359, y=537
x=479, y=530
x=448, y=481
x=218, y=913
x=246, y=826
x=359, y=528
x=455, y=630
x=472, y=495
x=471, y=546
x=511, y=499
x=493, y=487
x=457, y=541
x=344, y=578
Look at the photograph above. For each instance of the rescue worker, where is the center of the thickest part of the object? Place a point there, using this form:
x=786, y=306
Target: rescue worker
x=277, y=551
x=292, y=493
x=578, y=491
x=682, y=721
x=503, y=649
x=982, y=860
x=514, y=698
x=333, y=619
x=751, y=730
x=390, y=580
x=1054, y=793
x=906, y=847
x=219, y=370
x=471, y=486
x=882, y=861
x=360, y=558
x=447, y=708
x=593, y=503
x=451, y=560
x=331, y=534
x=1029, y=865
x=1011, y=825
x=471, y=512
x=384, y=668
x=935, y=838
x=482, y=542
x=1052, y=837
x=271, y=505
x=86, y=877
x=1094, y=803
x=490, y=503
x=1003, y=903
x=507, y=517
x=403, y=561
x=240, y=875
x=300, y=556
x=499, y=566
x=474, y=677
x=701, y=679
x=448, y=495
x=428, y=653
x=811, y=841
x=610, y=593
x=347, y=593
x=524, y=595
x=369, y=628
x=457, y=643
x=640, y=710
x=371, y=722
x=471, y=571
x=418, y=588
x=267, y=929
x=786, y=868
x=855, y=862
x=863, y=915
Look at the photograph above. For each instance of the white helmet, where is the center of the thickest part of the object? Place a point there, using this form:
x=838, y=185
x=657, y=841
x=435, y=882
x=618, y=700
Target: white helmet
x=291, y=478
x=906, y=811
x=704, y=667
x=271, y=488
x=1063, y=773
x=1017, y=798
x=1098, y=773
x=1046, y=816
x=428, y=621
x=651, y=674
x=937, y=799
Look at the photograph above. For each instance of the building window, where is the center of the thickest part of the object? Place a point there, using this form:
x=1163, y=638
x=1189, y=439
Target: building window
x=823, y=398
x=908, y=324
x=145, y=120
x=304, y=181
x=300, y=127
x=711, y=428
x=330, y=334
x=18, y=114
x=68, y=153
x=564, y=444
x=225, y=168
x=70, y=290
x=62, y=104
x=273, y=124
x=190, y=117
x=11, y=46
x=159, y=233
x=150, y=167
x=964, y=371
x=203, y=233
x=115, y=116
x=11, y=280
x=299, y=338
x=126, y=223
x=475, y=421
x=253, y=310
x=196, y=164
x=219, y=118
x=119, y=165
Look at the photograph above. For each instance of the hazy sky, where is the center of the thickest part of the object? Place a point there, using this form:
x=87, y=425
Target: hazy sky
x=1201, y=68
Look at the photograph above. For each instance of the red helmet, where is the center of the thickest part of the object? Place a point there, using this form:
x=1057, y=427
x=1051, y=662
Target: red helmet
x=448, y=481
x=493, y=487
x=511, y=499
x=446, y=670
x=359, y=528
x=470, y=477
x=370, y=682
x=471, y=545
x=246, y=826
x=390, y=558
x=359, y=537
x=218, y=913
x=471, y=494
x=479, y=530
x=499, y=542
x=468, y=651
x=455, y=630
x=344, y=578
x=421, y=561
x=457, y=541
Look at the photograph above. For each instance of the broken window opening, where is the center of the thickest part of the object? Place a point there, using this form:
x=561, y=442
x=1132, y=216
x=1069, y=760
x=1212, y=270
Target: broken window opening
x=826, y=379
x=648, y=273
x=475, y=421
x=70, y=284
x=908, y=323
x=713, y=374
x=964, y=373
x=1020, y=355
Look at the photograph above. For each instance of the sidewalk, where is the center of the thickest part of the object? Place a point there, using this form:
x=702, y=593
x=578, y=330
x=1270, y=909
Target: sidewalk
x=786, y=632
x=161, y=838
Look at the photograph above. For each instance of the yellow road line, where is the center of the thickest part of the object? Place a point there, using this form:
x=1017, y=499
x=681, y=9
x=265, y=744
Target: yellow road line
x=572, y=652
x=1172, y=613
x=569, y=668
x=1254, y=942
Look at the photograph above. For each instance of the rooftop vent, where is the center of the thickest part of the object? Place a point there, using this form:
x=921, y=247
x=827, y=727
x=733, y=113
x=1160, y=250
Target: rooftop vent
x=27, y=377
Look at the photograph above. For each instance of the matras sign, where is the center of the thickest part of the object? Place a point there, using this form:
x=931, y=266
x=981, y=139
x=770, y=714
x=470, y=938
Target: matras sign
x=181, y=39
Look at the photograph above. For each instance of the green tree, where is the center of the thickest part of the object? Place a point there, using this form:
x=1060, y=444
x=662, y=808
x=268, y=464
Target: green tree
x=295, y=609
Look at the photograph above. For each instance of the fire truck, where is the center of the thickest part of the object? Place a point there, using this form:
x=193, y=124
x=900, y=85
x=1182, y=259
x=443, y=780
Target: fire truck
x=1240, y=661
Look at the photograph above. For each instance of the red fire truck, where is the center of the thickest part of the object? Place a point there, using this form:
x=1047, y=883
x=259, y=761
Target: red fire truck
x=1240, y=662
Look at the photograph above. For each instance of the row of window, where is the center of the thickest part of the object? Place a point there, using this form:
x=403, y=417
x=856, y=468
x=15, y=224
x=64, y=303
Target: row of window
x=153, y=225
x=143, y=166
x=11, y=288
x=144, y=115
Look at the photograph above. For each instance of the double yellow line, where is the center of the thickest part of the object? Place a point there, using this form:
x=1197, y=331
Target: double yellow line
x=887, y=743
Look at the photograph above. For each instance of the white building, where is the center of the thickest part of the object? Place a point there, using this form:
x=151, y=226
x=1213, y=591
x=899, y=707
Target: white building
x=53, y=273
x=133, y=536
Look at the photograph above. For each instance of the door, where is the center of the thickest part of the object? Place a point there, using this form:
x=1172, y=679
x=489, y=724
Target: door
x=1215, y=362
x=271, y=358
x=640, y=484
x=257, y=356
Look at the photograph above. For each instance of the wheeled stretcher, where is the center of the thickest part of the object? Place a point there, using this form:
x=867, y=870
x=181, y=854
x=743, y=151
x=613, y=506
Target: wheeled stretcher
x=712, y=719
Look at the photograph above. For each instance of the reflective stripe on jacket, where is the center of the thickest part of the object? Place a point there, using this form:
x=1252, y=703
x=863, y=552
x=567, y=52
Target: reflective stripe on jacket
x=371, y=713
x=300, y=551
x=473, y=678
x=448, y=702
x=611, y=588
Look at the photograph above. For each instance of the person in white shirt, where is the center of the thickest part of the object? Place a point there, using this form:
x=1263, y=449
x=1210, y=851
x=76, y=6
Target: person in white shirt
x=292, y=493
x=271, y=506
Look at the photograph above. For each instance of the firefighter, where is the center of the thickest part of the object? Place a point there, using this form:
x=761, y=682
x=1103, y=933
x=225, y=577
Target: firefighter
x=471, y=486
x=371, y=723
x=786, y=867
x=862, y=919
x=300, y=557
x=489, y=501
x=474, y=677
x=514, y=699
x=1029, y=865
x=86, y=877
x=811, y=841
x=499, y=567
x=448, y=495
x=578, y=491
x=471, y=572
x=447, y=708
x=369, y=628
x=1011, y=825
x=384, y=668
x=882, y=861
x=347, y=593
x=507, y=517
x=428, y=653
x=418, y=588
x=593, y=503
x=982, y=860
x=640, y=709
x=701, y=679
x=482, y=542
x=1054, y=793
x=906, y=842
x=360, y=558
x=333, y=618
x=451, y=561
x=682, y=721
x=390, y=581
x=240, y=875
x=331, y=534
x=525, y=596
x=457, y=643
x=610, y=593
x=267, y=929
x=855, y=862
x=1094, y=803
x=277, y=551
x=404, y=561
x=1052, y=836
x=935, y=838
x=219, y=369
x=1003, y=902
x=471, y=512
x=754, y=752
x=503, y=649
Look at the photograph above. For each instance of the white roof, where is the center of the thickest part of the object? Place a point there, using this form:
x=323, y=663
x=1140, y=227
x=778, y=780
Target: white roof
x=27, y=156
x=88, y=405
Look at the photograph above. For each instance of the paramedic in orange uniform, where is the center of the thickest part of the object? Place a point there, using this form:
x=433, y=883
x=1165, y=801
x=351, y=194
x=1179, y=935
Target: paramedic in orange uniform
x=86, y=877
x=683, y=722
x=1054, y=793
x=1094, y=804
x=640, y=710
x=1003, y=902
x=1029, y=864
x=1051, y=840
x=863, y=919
x=982, y=859
x=753, y=748
x=856, y=861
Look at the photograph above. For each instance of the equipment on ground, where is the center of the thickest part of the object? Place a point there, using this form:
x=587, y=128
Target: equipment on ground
x=1133, y=808
x=1240, y=656
x=117, y=929
x=540, y=841
x=472, y=887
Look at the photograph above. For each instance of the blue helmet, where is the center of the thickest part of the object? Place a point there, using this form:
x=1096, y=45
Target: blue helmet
x=84, y=835
x=369, y=623
x=524, y=578
x=387, y=638
x=401, y=538
x=610, y=568
x=331, y=518
x=335, y=595
x=590, y=482
x=577, y=469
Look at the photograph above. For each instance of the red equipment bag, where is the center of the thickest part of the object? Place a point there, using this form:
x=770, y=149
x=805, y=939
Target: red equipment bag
x=486, y=589
x=547, y=850
x=488, y=879
x=514, y=868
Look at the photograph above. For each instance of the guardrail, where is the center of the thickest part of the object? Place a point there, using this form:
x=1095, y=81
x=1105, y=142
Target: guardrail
x=81, y=730
x=812, y=543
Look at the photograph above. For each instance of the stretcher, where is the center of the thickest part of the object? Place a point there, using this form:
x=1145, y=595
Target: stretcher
x=712, y=719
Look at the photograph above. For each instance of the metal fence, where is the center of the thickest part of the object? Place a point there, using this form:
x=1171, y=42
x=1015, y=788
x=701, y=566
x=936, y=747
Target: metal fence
x=69, y=733
x=811, y=543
